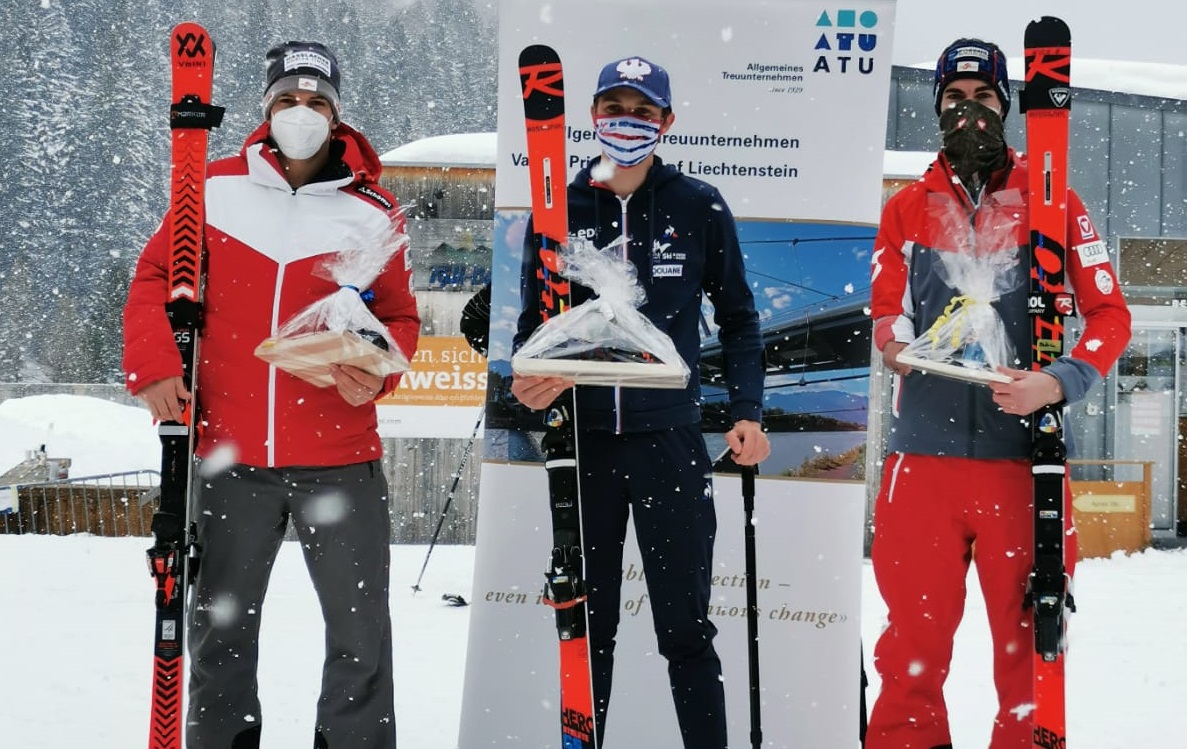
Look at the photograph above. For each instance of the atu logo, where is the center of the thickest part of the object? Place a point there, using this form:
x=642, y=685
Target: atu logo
x=840, y=39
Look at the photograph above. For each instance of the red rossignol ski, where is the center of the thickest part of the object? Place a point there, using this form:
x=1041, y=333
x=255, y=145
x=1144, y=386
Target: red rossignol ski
x=191, y=117
x=1046, y=101
x=542, y=83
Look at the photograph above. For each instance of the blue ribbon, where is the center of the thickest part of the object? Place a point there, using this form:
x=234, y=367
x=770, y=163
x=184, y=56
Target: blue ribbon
x=367, y=296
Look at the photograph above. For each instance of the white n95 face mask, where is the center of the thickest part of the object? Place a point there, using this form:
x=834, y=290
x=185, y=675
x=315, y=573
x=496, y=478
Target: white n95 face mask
x=299, y=131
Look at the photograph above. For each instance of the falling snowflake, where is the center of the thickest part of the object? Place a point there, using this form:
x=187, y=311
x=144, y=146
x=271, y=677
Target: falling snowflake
x=328, y=508
x=603, y=171
x=1022, y=712
x=218, y=461
x=223, y=611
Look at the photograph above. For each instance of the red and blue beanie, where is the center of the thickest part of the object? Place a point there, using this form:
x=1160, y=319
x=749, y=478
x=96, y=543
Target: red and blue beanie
x=973, y=58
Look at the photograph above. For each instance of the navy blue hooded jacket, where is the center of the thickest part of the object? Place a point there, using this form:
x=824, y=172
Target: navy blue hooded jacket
x=682, y=240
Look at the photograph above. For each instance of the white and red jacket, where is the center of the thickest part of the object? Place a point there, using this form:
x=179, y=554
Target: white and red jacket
x=910, y=289
x=264, y=241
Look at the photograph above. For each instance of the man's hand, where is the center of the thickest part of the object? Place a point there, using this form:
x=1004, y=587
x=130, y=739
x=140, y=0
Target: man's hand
x=538, y=392
x=890, y=354
x=356, y=386
x=1027, y=392
x=748, y=443
x=165, y=398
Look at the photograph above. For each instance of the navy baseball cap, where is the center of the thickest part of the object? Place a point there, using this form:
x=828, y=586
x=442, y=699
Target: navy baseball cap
x=634, y=72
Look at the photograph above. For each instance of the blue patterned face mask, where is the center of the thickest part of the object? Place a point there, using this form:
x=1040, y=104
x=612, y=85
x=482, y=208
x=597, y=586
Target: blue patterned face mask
x=626, y=140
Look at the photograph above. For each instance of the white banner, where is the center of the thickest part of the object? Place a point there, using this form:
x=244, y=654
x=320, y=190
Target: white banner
x=780, y=105
x=808, y=544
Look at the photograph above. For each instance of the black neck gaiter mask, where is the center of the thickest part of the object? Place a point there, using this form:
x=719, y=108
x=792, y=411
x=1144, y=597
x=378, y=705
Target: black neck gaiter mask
x=974, y=140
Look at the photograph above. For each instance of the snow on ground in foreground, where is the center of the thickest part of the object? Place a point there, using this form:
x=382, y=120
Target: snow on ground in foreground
x=76, y=619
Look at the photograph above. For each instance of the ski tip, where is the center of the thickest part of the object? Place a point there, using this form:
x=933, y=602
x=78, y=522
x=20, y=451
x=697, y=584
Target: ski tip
x=1047, y=27
x=535, y=54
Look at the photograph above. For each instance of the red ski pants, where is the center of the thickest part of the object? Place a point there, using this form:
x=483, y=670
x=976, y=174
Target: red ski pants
x=928, y=514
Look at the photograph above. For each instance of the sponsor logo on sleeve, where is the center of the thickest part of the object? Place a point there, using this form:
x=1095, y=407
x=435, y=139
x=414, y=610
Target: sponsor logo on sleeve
x=1104, y=281
x=1093, y=253
x=375, y=195
x=1087, y=230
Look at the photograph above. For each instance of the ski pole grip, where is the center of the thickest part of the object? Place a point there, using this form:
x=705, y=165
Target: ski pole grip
x=748, y=473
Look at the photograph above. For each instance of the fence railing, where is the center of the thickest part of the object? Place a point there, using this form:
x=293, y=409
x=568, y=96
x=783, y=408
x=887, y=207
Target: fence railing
x=420, y=473
x=111, y=504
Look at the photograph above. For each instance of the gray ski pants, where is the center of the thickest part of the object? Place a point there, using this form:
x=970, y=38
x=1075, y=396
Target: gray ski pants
x=340, y=515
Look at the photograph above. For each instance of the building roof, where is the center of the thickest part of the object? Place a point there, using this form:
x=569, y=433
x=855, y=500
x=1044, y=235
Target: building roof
x=473, y=150
x=1159, y=80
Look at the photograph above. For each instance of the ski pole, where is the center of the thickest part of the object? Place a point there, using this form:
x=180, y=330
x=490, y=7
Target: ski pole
x=725, y=464
x=751, y=606
x=457, y=476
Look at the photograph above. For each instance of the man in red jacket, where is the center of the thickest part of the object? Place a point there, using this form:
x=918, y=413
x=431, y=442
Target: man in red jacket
x=274, y=447
x=958, y=468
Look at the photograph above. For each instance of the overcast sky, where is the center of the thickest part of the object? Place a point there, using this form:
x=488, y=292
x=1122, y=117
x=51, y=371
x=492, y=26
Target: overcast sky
x=1136, y=30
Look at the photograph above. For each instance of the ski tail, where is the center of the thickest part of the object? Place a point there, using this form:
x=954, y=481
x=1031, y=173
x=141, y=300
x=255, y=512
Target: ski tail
x=1046, y=102
x=542, y=85
x=191, y=117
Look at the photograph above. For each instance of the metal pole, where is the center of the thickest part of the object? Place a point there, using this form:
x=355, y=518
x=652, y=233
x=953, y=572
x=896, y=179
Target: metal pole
x=752, y=607
x=457, y=476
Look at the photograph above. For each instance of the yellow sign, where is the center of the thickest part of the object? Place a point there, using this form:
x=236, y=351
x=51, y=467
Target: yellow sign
x=445, y=372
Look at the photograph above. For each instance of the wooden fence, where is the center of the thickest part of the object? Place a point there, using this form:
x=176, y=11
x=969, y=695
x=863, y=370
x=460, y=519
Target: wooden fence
x=420, y=473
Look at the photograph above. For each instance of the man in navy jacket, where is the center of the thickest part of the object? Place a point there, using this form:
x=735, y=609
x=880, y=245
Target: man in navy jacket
x=652, y=462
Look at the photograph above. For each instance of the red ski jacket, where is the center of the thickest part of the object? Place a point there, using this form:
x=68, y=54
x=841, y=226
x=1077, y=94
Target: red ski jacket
x=911, y=288
x=264, y=241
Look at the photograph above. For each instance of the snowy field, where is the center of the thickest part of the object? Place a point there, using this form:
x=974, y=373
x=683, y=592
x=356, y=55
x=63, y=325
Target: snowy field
x=76, y=619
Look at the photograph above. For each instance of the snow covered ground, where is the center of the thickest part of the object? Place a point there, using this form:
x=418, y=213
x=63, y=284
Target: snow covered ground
x=76, y=619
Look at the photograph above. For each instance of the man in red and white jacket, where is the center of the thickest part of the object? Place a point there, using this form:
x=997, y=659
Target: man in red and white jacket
x=958, y=468
x=275, y=447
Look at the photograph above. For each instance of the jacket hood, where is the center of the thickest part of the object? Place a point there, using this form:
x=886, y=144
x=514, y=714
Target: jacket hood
x=357, y=152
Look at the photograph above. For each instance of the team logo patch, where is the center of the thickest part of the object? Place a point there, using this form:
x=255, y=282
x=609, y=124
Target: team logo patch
x=307, y=84
x=307, y=59
x=667, y=271
x=1093, y=253
x=978, y=52
x=1048, y=424
x=1104, y=281
x=633, y=69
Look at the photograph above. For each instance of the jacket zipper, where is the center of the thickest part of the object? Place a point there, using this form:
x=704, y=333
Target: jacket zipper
x=281, y=267
x=626, y=255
